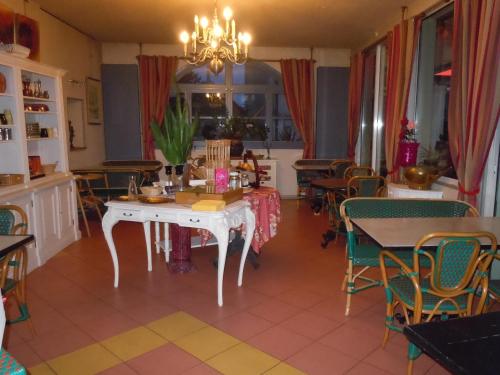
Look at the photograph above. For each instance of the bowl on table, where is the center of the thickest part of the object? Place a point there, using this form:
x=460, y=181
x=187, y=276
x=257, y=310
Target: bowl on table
x=421, y=177
x=151, y=191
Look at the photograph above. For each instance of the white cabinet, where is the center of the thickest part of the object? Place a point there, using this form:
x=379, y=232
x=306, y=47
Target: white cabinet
x=267, y=165
x=33, y=101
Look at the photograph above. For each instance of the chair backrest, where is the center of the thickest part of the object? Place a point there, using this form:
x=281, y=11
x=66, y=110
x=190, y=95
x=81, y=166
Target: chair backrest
x=459, y=264
x=338, y=167
x=9, y=223
x=365, y=186
x=354, y=170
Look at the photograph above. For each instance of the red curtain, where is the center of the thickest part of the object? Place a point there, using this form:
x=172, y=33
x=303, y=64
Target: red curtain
x=156, y=73
x=473, y=111
x=355, y=97
x=298, y=82
x=402, y=44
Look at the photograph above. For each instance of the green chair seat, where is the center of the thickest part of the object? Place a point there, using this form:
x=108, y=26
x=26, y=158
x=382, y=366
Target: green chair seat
x=367, y=255
x=403, y=288
x=9, y=365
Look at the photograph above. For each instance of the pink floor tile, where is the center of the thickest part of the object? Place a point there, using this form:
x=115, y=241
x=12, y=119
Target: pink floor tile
x=25, y=355
x=201, y=369
x=318, y=359
x=165, y=359
x=279, y=342
x=245, y=298
x=243, y=325
x=310, y=325
x=144, y=314
x=351, y=341
x=51, y=345
x=274, y=311
x=301, y=298
x=211, y=312
x=108, y=325
x=94, y=309
x=365, y=369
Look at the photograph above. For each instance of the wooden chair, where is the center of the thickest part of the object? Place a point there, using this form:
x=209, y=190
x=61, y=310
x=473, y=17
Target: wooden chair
x=458, y=272
x=13, y=266
x=494, y=288
x=355, y=170
x=362, y=255
x=365, y=186
x=86, y=197
x=338, y=167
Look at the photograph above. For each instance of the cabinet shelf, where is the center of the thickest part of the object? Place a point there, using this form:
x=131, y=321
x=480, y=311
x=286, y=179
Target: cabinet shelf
x=35, y=99
x=6, y=94
x=7, y=141
x=7, y=125
x=30, y=139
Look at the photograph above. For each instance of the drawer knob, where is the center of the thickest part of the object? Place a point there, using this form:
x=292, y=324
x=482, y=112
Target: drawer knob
x=127, y=214
x=194, y=221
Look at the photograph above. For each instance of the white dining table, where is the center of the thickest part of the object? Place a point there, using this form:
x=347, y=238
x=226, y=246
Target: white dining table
x=405, y=232
x=217, y=222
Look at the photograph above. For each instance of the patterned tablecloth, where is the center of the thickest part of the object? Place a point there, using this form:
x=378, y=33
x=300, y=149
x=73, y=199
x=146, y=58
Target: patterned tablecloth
x=266, y=205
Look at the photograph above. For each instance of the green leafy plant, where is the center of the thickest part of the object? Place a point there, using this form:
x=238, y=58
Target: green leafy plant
x=174, y=136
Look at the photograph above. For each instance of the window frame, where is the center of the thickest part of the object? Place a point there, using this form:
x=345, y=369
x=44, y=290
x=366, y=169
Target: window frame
x=228, y=89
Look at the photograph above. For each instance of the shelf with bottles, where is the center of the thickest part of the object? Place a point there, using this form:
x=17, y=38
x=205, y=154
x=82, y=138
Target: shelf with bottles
x=37, y=87
x=35, y=99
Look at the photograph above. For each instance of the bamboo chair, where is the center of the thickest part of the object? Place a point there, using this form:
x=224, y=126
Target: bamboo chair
x=13, y=266
x=362, y=255
x=338, y=167
x=458, y=272
x=355, y=170
x=494, y=288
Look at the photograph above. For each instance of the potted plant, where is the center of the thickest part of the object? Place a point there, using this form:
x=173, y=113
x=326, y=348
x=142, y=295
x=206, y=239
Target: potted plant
x=235, y=129
x=174, y=136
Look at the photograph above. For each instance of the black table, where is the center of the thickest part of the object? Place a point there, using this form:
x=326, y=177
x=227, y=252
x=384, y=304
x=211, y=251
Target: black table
x=463, y=345
x=12, y=242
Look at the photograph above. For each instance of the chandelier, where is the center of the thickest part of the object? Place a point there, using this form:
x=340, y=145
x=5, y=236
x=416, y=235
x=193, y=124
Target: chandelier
x=215, y=41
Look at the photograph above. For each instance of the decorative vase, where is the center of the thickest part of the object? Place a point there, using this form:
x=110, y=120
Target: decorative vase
x=236, y=148
x=179, y=176
x=408, y=153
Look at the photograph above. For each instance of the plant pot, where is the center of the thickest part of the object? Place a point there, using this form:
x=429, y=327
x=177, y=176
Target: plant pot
x=408, y=153
x=236, y=148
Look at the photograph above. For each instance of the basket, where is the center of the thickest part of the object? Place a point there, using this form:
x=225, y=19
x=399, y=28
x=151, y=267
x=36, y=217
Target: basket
x=11, y=179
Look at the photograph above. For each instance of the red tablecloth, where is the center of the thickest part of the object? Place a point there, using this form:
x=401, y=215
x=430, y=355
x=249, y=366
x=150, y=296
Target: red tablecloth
x=265, y=204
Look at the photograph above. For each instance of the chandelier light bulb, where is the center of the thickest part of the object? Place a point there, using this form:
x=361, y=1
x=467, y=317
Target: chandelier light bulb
x=214, y=44
x=228, y=13
x=204, y=22
x=247, y=38
x=184, y=37
x=218, y=31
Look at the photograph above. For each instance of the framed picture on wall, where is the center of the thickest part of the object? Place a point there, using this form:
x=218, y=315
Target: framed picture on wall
x=94, y=101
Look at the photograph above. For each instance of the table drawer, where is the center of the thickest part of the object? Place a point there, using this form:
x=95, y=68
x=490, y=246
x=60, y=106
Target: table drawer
x=127, y=214
x=194, y=221
x=160, y=216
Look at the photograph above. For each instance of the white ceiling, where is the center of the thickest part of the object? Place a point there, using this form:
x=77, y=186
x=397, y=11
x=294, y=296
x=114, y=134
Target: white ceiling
x=291, y=23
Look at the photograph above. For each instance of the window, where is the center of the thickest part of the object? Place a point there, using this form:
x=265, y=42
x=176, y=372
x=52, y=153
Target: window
x=432, y=90
x=371, y=147
x=252, y=91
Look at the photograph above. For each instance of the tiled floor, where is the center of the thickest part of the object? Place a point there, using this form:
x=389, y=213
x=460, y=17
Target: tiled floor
x=288, y=318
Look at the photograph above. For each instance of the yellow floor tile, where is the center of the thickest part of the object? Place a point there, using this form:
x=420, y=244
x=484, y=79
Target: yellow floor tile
x=86, y=361
x=133, y=343
x=284, y=369
x=177, y=325
x=241, y=360
x=41, y=369
x=206, y=342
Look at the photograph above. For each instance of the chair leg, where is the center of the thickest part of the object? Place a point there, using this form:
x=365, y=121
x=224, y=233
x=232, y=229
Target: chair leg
x=349, y=288
x=80, y=204
x=389, y=315
x=410, y=367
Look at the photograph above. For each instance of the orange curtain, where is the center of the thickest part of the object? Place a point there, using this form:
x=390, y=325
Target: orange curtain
x=355, y=96
x=473, y=111
x=298, y=83
x=156, y=73
x=402, y=44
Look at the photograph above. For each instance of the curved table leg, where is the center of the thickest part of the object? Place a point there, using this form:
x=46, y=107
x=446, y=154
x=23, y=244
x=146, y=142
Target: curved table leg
x=108, y=222
x=157, y=237
x=147, y=234
x=222, y=235
x=250, y=228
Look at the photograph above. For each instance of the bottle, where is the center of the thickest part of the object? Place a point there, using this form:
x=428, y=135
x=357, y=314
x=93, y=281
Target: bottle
x=132, y=189
x=244, y=180
x=234, y=180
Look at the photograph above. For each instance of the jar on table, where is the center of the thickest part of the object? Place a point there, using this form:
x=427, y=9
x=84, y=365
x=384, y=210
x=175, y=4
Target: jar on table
x=234, y=180
x=245, y=181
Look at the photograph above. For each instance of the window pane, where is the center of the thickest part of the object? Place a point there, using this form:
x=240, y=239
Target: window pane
x=284, y=130
x=367, y=115
x=433, y=91
x=208, y=104
x=249, y=105
x=201, y=74
x=255, y=73
x=280, y=106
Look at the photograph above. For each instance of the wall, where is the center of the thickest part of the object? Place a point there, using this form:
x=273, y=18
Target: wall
x=125, y=53
x=64, y=47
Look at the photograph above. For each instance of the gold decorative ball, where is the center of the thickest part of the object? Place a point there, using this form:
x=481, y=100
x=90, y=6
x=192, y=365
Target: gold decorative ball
x=421, y=177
